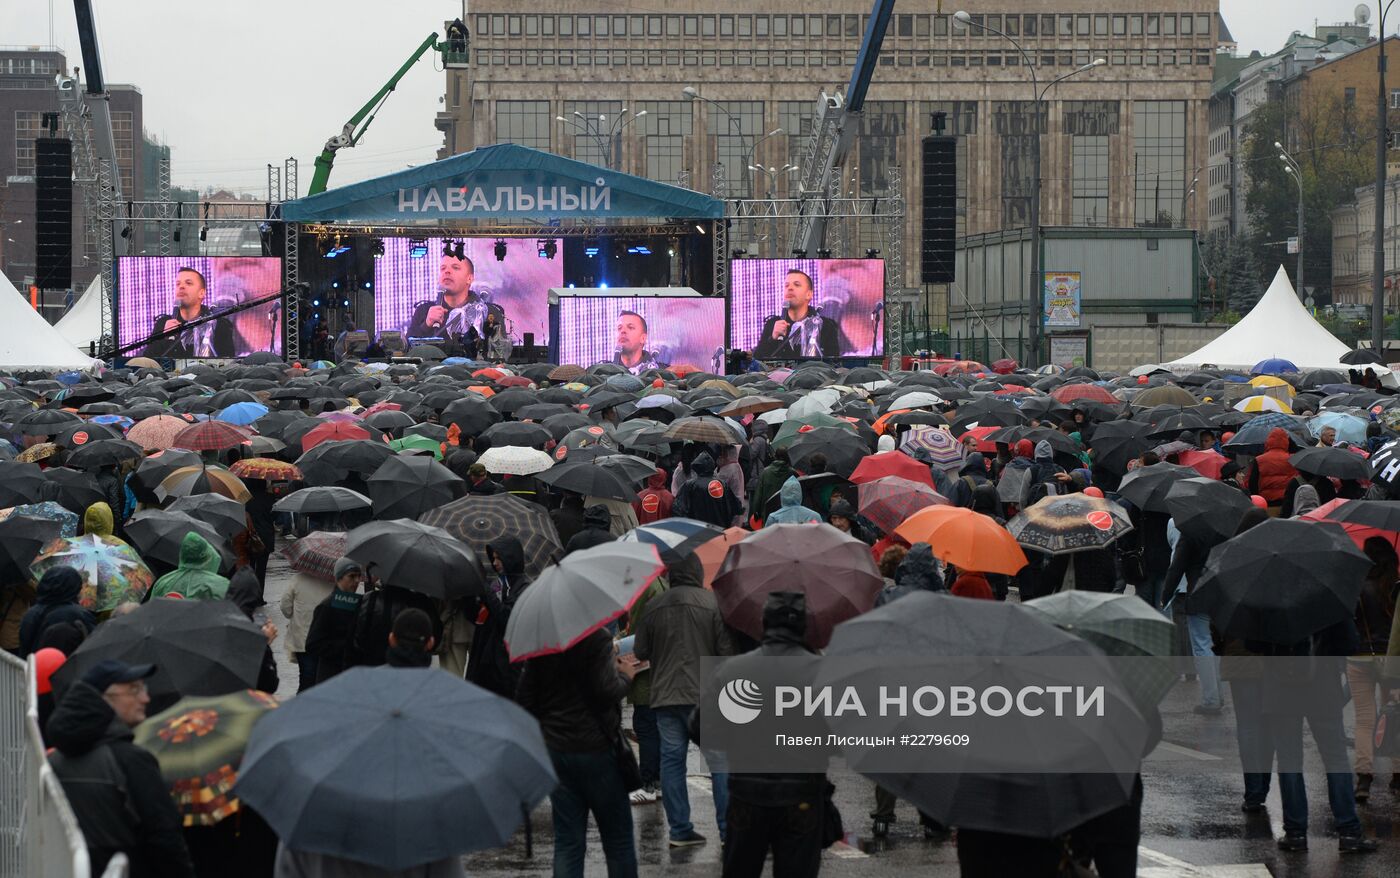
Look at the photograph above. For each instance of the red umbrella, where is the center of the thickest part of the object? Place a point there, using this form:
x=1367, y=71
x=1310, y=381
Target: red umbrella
x=1068, y=393
x=984, y=445
x=970, y=366
x=383, y=407
x=210, y=436
x=1014, y=390
x=334, y=431
x=1359, y=533
x=1207, y=463
x=514, y=381
x=891, y=463
x=1004, y=366
x=887, y=502
x=489, y=373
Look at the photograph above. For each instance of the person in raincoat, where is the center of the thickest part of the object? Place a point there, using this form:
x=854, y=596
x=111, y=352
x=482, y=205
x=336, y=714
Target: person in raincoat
x=792, y=511
x=489, y=664
x=654, y=502
x=769, y=482
x=597, y=524
x=197, y=577
x=56, y=604
x=705, y=496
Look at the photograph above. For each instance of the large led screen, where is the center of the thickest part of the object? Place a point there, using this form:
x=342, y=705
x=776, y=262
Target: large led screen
x=168, y=293
x=425, y=293
x=641, y=333
x=790, y=309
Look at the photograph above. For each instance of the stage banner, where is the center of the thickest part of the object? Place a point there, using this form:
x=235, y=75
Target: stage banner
x=1062, y=304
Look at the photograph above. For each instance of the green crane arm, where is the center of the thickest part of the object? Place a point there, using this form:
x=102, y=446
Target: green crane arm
x=354, y=130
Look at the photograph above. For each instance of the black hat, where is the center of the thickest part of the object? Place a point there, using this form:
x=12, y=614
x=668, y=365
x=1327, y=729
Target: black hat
x=109, y=671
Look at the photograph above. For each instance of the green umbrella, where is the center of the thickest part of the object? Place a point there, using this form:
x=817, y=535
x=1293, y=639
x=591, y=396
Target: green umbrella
x=1120, y=625
x=794, y=428
x=417, y=443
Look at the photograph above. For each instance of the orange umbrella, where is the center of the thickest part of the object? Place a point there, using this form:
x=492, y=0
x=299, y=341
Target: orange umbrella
x=712, y=554
x=964, y=538
x=879, y=425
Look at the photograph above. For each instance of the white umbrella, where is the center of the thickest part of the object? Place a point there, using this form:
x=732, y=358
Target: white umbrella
x=917, y=400
x=515, y=460
x=776, y=416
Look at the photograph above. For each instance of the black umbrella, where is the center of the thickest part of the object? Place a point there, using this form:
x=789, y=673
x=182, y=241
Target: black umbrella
x=1361, y=356
x=1060, y=443
x=1205, y=509
x=46, y=422
x=1334, y=462
x=390, y=421
x=20, y=483
x=471, y=414
x=1380, y=514
x=1115, y=443
x=406, y=487
x=517, y=433
x=418, y=557
x=1282, y=581
x=198, y=648
x=85, y=432
x=21, y=538
x=330, y=462
x=991, y=411
x=104, y=452
x=1173, y=425
x=154, y=469
x=77, y=490
x=541, y=410
x=1147, y=486
x=158, y=533
x=511, y=399
x=587, y=478
x=224, y=515
x=481, y=519
x=843, y=450
x=562, y=425
x=329, y=498
x=630, y=467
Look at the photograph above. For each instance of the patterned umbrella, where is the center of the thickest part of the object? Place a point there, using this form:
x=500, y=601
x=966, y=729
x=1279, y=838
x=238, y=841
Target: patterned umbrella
x=565, y=372
x=1067, y=523
x=112, y=572
x=67, y=521
x=514, y=460
x=158, y=433
x=479, y=519
x=210, y=436
x=316, y=553
x=36, y=453
x=199, y=744
x=944, y=451
x=702, y=429
x=266, y=468
x=190, y=480
x=1253, y=404
x=888, y=501
x=674, y=538
x=1071, y=393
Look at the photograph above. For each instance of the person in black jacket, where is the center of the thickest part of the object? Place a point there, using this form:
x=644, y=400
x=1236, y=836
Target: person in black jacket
x=122, y=803
x=801, y=330
x=568, y=517
x=246, y=593
x=374, y=619
x=576, y=695
x=489, y=664
x=333, y=622
x=597, y=522
x=972, y=474
x=57, y=603
x=411, y=640
x=705, y=497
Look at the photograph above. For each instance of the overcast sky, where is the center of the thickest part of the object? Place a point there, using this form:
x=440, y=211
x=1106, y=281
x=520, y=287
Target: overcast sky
x=234, y=86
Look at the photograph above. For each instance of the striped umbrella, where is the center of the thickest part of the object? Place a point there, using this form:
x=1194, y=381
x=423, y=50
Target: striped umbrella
x=943, y=450
x=888, y=501
x=1254, y=404
x=208, y=436
x=674, y=538
x=189, y=480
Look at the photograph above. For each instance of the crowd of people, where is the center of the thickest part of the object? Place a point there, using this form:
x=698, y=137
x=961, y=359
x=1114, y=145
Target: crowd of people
x=136, y=490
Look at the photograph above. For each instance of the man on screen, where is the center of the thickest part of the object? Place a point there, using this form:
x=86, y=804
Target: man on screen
x=632, y=353
x=212, y=338
x=801, y=330
x=457, y=313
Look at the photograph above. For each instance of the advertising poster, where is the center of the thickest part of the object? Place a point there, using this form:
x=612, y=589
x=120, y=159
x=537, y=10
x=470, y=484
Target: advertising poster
x=1068, y=351
x=1062, y=306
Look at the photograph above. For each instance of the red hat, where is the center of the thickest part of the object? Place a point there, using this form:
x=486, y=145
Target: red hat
x=1092, y=491
x=1142, y=379
x=973, y=585
x=1226, y=437
x=1259, y=502
x=1025, y=448
x=46, y=661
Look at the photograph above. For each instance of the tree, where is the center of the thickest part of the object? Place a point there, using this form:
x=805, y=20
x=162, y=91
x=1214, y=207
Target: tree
x=1231, y=277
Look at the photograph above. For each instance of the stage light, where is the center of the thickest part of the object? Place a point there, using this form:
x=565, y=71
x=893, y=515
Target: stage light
x=345, y=303
x=460, y=250
x=376, y=247
x=590, y=251
x=823, y=253
x=203, y=233
x=547, y=248
x=315, y=303
x=417, y=247
x=500, y=250
x=368, y=284
x=603, y=285
x=447, y=247
x=177, y=234
x=335, y=284
x=699, y=228
x=126, y=231
x=799, y=253
x=738, y=253
x=872, y=253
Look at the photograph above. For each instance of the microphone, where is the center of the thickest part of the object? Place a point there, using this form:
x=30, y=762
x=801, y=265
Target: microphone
x=879, y=309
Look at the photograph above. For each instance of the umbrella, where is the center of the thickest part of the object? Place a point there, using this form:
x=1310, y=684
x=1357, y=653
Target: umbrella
x=517, y=433
x=1350, y=428
x=749, y=405
x=674, y=538
x=158, y=533
x=1273, y=366
x=635, y=470
x=702, y=428
x=406, y=487
x=1240, y=586
x=1206, y=463
x=795, y=428
x=335, y=431
x=1146, y=487
x=330, y=498
x=45, y=422
x=242, y=413
x=843, y=450
x=418, y=557
x=111, y=570
x=1252, y=404
x=584, y=592
x=266, y=468
x=1166, y=394
x=514, y=460
x=210, y=436
x=199, y=744
x=77, y=490
x=1073, y=393
x=48, y=511
x=783, y=557
x=21, y=538
x=38, y=452
x=1115, y=443
x=891, y=463
x=586, y=478
x=20, y=482
x=480, y=520
x=378, y=741
x=1205, y=509
x=226, y=516
x=330, y=463
x=316, y=553
x=198, y=648
x=1120, y=625
x=157, y=433
x=190, y=480
x=1379, y=514
x=889, y=500
x=472, y=414
x=965, y=539
x=104, y=452
x=1337, y=463
x=1069, y=523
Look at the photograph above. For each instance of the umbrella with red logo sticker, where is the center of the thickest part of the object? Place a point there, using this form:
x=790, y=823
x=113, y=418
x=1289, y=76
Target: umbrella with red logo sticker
x=1069, y=523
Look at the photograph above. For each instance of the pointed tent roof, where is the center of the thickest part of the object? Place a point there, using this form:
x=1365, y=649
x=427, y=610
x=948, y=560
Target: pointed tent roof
x=29, y=342
x=1277, y=326
x=82, y=325
x=492, y=182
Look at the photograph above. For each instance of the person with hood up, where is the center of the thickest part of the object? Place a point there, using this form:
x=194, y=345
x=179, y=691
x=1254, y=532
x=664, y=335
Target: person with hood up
x=374, y=619
x=705, y=497
x=769, y=482
x=597, y=524
x=245, y=593
x=731, y=472
x=843, y=518
x=973, y=585
x=972, y=473
x=917, y=572
x=303, y=594
x=56, y=604
x=1321, y=488
x=760, y=448
x=792, y=511
x=1305, y=500
x=489, y=664
x=1269, y=473
x=568, y=516
x=99, y=521
x=115, y=788
x=654, y=502
x=197, y=578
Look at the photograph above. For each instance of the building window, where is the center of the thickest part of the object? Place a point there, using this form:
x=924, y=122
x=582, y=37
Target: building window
x=1030, y=24
x=1154, y=26
x=799, y=26
x=1395, y=98
x=881, y=127
x=1100, y=25
x=853, y=27
x=1135, y=25
x=692, y=25
x=1013, y=25
x=745, y=26
x=513, y=25
x=1089, y=181
x=1120, y=25
x=1159, y=161
x=734, y=126
x=566, y=25
x=619, y=26
x=1186, y=25
x=940, y=25
x=726, y=25
x=760, y=26
x=1169, y=25
x=1202, y=25
x=1081, y=25
x=707, y=26
x=1016, y=122
x=673, y=25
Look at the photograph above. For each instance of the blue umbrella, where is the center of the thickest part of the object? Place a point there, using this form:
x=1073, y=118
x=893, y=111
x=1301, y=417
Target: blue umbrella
x=1350, y=428
x=121, y=422
x=68, y=521
x=444, y=766
x=1250, y=438
x=242, y=413
x=1273, y=366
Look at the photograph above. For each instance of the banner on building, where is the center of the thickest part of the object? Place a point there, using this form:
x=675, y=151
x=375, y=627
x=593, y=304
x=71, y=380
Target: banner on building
x=1062, y=305
x=1068, y=351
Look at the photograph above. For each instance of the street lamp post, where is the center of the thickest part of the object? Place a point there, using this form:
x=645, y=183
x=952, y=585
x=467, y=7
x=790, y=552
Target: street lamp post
x=603, y=138
x=1378, y=240
x=1295, y=170
x=691, y=93
x=1037, y=284
x=771, y=192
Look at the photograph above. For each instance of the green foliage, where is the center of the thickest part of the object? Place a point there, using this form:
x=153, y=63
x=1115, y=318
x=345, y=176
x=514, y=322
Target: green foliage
x=1231, y=277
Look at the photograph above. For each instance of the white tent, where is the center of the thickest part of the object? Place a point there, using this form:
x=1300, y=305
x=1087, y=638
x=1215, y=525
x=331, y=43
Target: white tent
x=27, y=341
x=82, y=325
x=1277, y=326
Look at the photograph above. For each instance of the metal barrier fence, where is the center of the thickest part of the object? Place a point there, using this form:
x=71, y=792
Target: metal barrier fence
x=39, y=836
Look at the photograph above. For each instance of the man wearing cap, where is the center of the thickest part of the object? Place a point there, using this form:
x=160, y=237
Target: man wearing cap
x=333, y=622
x=115, y=787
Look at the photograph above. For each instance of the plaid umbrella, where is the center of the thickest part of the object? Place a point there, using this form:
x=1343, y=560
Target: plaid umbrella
x=943, y=450
x=888, y=501
x=190, y=480
x=209, y=436
x=199, y=744
x=49, y=511
x=565, y=372
x=266, y=468
x=514, y=460
x=701, y=428
x=112, y=572
x=674, y=538
x=1069, y=523
x=316, y=553
x=479, y=519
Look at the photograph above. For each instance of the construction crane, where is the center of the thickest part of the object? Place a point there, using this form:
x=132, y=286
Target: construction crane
x=354, y=129
x=833, y=131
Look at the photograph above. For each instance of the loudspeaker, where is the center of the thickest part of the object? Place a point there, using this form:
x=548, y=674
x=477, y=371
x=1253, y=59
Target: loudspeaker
x=940, y=191
x=529, y=340
x=53, y=213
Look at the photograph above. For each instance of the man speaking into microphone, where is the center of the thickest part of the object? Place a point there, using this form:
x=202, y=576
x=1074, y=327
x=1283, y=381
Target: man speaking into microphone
x=801, y=331
x=457, y=313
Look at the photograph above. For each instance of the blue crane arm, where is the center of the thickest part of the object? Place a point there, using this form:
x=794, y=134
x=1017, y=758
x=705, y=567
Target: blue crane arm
x=869, y=55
